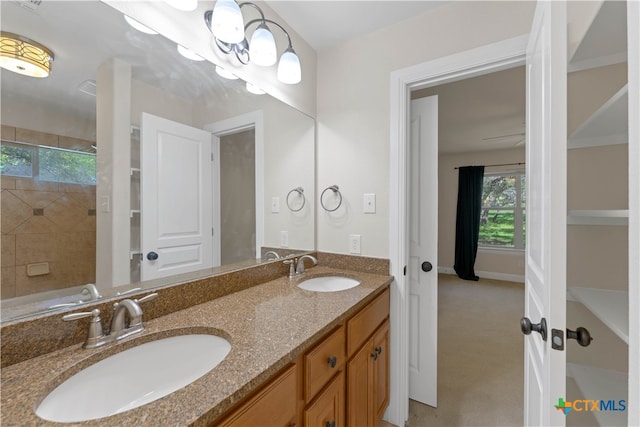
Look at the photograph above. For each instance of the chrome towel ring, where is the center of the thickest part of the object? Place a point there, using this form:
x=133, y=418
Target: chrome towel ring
x=300, y=192
x=336, y=190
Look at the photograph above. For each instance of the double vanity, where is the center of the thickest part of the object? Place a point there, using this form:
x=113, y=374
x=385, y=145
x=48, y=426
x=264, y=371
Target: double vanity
x=270, y=353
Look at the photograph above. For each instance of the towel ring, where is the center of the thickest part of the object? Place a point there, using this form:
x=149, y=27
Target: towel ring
x=335, y=190
x=300, y=192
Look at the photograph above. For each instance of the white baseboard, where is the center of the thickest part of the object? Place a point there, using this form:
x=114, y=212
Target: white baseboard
x=487, y=275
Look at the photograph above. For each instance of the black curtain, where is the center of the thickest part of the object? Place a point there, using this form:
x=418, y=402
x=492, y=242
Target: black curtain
x=468, y=220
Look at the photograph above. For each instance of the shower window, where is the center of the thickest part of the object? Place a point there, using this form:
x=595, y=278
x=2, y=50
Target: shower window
x=48, y=163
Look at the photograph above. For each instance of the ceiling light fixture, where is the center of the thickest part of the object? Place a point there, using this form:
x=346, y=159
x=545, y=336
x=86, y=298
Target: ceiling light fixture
x=226, y=23
x=138, y=26
x=24, y=56
x=186, y=5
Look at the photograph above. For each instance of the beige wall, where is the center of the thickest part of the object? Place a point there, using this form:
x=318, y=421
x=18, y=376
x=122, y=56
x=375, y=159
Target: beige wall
x=353, y=106
x=46, y=222
x=506, y=264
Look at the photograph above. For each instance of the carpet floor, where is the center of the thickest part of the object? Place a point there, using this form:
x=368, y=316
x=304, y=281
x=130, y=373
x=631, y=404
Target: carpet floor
x=480, y=355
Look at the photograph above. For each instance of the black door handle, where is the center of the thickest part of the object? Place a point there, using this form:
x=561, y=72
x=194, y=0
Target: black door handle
x=426, y=266
x=526, y=326
x=581, y=335
x=152, y=256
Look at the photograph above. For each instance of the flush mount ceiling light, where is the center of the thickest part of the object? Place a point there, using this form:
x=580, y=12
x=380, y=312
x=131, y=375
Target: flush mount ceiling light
x=24, y=56
x=226, y=23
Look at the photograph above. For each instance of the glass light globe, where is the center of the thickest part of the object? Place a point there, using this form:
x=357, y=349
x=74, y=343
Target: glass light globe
x=262, y=49
x=289, y=70
x=189, y=54
x=225, y=73
x=186, y=5
x=227, y=23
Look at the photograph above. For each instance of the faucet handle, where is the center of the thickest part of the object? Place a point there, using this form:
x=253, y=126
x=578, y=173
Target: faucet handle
x=147, y=298
x=95, y=337
x=292, y=267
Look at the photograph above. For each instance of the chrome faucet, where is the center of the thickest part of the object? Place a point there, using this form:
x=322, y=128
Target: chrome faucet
x=271, y=255
x=128, y=309
x=300, y=264
x=292, y=266
x=90, y=290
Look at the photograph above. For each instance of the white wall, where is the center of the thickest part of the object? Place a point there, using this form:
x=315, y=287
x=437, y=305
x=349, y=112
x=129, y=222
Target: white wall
x=353, y=106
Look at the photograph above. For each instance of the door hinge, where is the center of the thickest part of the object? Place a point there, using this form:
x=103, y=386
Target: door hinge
x=212, y=157
x=404, y=271
x=212, y=232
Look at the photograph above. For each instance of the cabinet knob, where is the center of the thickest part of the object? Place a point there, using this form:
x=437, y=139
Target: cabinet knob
x=374, y=355
x=330, y=424
x=378, y=350
x=332, y=361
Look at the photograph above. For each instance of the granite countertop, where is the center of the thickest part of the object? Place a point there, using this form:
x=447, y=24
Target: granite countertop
x=267, y=325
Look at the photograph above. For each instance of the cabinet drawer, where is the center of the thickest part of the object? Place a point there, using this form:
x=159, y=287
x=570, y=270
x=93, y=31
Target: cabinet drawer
x=319, y=364
x=328, y=408
x=273, y=406
x=361, y=326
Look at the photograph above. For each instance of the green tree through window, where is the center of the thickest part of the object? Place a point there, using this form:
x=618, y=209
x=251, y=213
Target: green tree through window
x=502, y=218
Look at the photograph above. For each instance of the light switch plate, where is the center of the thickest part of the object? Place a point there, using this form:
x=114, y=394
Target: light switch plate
x=284, y=239
x=369, y=203
x=275, y=205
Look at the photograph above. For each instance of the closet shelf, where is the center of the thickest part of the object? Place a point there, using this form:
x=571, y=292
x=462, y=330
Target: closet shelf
x=598, y=217
x=607, y=126
x=135, y=171
x=590, y=51
x=597, y=383
x=134, y=252
x=134, y=212
x=611, y=307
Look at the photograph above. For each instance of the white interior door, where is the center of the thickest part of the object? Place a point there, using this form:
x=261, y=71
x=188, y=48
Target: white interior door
x=176, y=198
x=545, y=275
x=423, y=251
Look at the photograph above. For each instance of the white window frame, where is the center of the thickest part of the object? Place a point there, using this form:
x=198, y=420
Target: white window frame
x=518, y=214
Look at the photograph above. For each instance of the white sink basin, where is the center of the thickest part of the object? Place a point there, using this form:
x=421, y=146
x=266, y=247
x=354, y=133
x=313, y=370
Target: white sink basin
x=328, y=284
x=133, y=378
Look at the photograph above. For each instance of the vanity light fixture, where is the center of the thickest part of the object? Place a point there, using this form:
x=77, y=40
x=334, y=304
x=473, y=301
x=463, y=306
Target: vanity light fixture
x=225, y=73
x=226, y=23
x=24, y=56
x=138, y=26
x=189, y=54
x=186, y=5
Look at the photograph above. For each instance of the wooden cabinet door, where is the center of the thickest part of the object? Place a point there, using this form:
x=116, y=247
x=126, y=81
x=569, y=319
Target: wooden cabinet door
x=273, y=406
x=328, y=409
x=358, y=388
x=380, y=371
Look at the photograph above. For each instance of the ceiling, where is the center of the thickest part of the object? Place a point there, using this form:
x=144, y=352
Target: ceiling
x=326, y=23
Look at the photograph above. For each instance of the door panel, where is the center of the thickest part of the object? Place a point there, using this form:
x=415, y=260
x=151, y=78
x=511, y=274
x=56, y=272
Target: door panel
x=423, y=247
x=176, y=198
x=545, y=276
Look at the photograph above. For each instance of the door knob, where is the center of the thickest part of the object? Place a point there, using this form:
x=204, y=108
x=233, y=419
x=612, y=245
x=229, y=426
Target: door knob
x=426, y=266
x=581, y=335
x=152, y=256
x=526, y=326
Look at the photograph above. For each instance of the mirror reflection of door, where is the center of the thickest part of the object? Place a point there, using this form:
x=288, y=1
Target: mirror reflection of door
x=237, y=197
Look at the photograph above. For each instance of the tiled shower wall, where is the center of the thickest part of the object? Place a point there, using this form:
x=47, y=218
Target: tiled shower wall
x=46, y=222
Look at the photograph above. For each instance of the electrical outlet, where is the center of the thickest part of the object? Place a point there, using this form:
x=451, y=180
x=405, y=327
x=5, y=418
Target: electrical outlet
x=354, y=244
x=284, y=239
x=369, y=203
x=275, y=205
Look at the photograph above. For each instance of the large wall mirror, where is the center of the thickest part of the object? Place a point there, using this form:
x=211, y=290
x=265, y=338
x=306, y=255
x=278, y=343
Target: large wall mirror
x=87, y=150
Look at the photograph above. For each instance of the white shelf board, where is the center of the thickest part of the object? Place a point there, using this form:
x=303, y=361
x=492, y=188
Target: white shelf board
x=607, y=126
x=134, y=252
x=601, y=384
x=605, y=41
x=134, y=212
x=611, y=307
x=598, y=217
x=135, y=170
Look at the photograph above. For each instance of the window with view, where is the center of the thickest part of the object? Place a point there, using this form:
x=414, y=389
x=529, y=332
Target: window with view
x=502, y=218
x=48, y=164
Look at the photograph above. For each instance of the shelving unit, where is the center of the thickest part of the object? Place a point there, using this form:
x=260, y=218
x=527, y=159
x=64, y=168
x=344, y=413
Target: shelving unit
x=611, y=307
x=603, y=43
x=135, y=254
x=598, y=217
x=601, y=383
